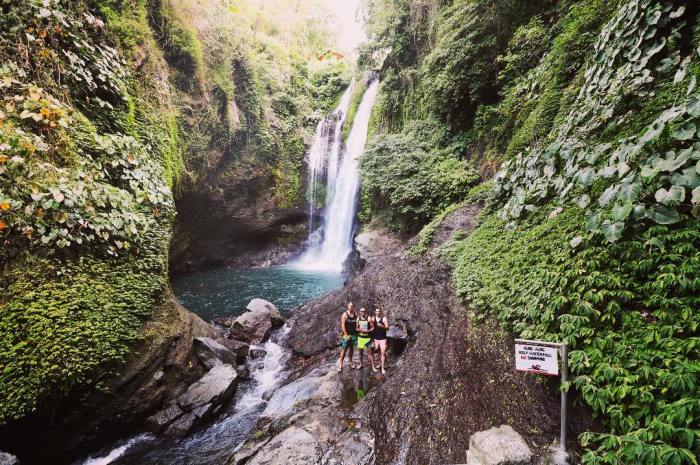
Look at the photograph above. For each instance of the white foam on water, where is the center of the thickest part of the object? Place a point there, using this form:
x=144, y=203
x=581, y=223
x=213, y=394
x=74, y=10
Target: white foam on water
x=117, y=452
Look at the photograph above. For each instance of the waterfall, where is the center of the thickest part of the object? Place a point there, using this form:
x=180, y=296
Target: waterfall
x=330, y=245
x=324, y=152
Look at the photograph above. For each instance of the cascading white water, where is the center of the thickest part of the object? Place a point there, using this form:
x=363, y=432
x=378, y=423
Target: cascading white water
x=216, y=443
x=329, y=253
x=324, y=153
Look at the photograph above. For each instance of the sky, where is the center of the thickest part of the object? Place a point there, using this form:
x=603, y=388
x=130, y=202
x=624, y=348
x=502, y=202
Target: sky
x=352, y=33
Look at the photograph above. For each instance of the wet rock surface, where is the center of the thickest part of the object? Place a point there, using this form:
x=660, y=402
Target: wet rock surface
x=240, y=348
x=451, y=380
x=159, y=369
x=215, y=387
x=308, y=422
x=231, y=221
x=211, y=353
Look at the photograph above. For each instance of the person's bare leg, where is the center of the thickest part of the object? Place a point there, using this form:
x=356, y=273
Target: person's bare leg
x=360, y=352
x=342, y=358
x=370, y=354
x=382, y=356
x=351, y=352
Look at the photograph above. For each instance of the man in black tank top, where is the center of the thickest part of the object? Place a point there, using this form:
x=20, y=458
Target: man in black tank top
x=348, y=338
x=381, y=325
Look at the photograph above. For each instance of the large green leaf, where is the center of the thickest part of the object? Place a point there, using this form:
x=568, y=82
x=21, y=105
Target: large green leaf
x=663, y=215
x=685, y=131
x=688, y=178
x=612, y=231
x=608, y=195
x=652, y=133
x=585, y=177
x=672, y=196
x=630, y=191
x=693, y=106
x=593, y=220
x=621, y=212
x=696, y=195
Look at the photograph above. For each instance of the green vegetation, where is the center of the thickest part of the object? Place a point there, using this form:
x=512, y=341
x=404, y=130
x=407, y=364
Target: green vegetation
x=66, y=319
x=627, y=310
x=107, y=107
x=414, y=175
x=85, y=205
x=358, y=91
x=590, y=233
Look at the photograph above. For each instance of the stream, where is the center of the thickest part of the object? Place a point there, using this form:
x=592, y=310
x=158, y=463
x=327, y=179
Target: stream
x=217, y=293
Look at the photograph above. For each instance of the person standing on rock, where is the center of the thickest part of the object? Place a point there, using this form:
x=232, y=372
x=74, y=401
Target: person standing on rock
x=381, y=325
x=348, y=339
x=365, y=329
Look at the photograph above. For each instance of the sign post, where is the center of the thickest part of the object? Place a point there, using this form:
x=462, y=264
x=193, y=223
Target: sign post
x=541, y=357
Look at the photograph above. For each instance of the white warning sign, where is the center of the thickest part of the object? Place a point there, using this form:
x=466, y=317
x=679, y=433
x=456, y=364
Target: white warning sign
x=537, y=359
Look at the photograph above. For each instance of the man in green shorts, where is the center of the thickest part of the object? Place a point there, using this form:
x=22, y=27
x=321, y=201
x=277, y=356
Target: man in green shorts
x=348, y=338
x=365, y=330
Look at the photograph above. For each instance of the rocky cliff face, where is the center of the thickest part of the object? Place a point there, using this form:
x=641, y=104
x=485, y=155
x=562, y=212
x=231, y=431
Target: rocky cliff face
x=162, y=366
x=453, y=378
x=246, y=120
x=236, y=223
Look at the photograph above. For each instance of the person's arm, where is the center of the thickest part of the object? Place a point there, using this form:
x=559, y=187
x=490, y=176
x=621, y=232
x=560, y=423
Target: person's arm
x=342, y=324
x=371, y=326
x=385, y=322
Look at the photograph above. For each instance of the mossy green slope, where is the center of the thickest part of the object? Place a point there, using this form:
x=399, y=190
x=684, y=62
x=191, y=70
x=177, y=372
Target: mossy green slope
x=88, y=153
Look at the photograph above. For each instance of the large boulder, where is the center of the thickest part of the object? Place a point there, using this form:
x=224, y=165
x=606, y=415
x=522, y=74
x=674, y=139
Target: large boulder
x=217, y=386
x=180, y=427
x=263, y=306
x=8, y=459
x=498, y=446
x=158, y=422
x=211, y=353
x=255, y=325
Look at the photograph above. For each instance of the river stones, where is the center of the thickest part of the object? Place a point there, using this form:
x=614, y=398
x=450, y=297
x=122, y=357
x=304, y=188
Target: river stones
x=211, y=353
x=255, y=325
x=263, y=306
x=180, y=427
x=215, y=387
x=199, y=402
x=257, y=353
x=498, y=446
x=240, y=348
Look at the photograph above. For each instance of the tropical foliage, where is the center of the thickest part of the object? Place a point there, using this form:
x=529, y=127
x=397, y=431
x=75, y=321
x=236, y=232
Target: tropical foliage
x=590, y=234
x=413, y=175
x=87, y=158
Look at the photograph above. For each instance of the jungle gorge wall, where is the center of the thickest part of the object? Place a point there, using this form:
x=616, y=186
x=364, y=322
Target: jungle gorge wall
x=587, y=114
x=251, y=90
x=112, y=112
